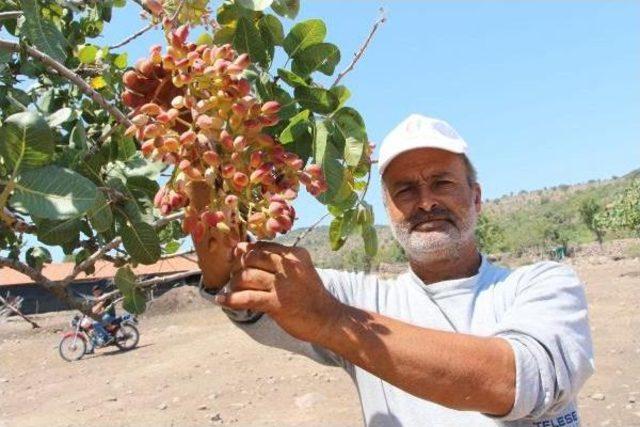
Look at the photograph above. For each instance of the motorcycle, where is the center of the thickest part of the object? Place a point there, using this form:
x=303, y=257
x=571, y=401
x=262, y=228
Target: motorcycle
x=83, y=339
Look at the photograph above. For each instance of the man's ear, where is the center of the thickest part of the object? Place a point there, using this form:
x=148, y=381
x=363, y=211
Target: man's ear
x=477, y=197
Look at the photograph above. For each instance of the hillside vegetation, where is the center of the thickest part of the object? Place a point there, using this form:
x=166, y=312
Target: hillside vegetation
x=534, y=222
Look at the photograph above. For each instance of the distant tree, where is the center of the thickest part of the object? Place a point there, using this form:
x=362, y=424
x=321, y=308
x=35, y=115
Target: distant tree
x=624, y=212
x=392, y=253
x=589, y=211
x=489, y=235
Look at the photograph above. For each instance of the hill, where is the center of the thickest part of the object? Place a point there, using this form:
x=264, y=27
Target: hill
x=531, y=222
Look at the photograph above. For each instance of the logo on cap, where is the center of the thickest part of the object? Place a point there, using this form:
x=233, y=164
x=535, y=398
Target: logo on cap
x=445, y=130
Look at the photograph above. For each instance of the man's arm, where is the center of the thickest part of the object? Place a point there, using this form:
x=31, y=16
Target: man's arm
x=459, y=371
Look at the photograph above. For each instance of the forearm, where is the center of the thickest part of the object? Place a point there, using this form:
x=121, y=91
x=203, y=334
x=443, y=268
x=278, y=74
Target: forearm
x=455, y=370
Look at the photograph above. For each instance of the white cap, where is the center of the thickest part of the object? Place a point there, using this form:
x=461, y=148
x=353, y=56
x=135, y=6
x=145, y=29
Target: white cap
x=417, y=131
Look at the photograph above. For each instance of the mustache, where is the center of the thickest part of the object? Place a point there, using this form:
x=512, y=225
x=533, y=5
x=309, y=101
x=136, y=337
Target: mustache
x=434, y=214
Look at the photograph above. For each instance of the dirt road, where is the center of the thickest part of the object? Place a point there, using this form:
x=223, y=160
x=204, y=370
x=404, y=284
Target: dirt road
x=195, y=368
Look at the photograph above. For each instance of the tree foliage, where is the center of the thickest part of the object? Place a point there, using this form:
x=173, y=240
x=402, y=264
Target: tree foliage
x=70, y=176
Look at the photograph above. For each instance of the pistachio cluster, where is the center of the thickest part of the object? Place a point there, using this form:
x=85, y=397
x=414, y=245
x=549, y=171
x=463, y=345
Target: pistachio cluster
x=193, y=109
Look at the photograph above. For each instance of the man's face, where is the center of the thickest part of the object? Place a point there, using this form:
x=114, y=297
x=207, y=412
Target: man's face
x=431, y=206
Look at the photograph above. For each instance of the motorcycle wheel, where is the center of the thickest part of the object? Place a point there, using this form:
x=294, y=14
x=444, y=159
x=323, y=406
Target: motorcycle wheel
x=127, y=336
x=72, y=348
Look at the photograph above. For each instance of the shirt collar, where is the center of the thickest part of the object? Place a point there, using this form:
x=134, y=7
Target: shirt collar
x=447, y=286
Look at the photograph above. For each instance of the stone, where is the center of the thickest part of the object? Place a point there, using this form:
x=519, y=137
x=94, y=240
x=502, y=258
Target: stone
x=632, y=399
x=162, y=406
x=597, y=396
x=202, y=408
x=309, y=400
x=112, y=399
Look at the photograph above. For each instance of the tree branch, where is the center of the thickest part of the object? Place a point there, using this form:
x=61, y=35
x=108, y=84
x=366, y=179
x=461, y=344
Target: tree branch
x=69, y=75
x=381, y=20
x=13, y=14
x=56, y=288
x=89, y=262
x=133, y=36
x=17, y=311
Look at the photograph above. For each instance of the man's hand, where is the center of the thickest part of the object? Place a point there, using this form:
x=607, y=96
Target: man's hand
x=282, y=282
x=213, y=249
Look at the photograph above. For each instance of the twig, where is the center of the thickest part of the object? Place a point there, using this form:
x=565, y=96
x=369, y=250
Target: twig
x=133, y=36
x=179, y=254
x=69, y=75
x=308, y=230
x=13, y=14
x=154, y=282
x=165, y=279
x=18, y=312
x=381, y=20
x=177, y=12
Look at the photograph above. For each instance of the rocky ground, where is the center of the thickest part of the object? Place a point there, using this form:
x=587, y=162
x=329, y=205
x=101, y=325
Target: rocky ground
x=193, y=367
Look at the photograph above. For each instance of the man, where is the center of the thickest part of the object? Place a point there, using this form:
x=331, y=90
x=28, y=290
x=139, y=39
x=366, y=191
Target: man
x=104, y=308
x=456, y=340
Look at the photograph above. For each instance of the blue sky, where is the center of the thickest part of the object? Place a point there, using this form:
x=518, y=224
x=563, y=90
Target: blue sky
x=545, y=93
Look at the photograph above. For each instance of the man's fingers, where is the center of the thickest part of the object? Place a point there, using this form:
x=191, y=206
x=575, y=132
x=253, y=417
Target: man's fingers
x=252, y=278
x=245, y=300
x=266, y=256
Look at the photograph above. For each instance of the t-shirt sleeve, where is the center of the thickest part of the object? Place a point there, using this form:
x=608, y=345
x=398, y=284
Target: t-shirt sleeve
x=548, y=329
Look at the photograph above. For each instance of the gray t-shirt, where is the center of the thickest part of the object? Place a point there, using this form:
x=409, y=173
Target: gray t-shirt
x=539, y=309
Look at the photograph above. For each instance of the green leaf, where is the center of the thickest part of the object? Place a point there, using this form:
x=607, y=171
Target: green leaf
x=335, y=237
x=135, y=302
x=142, y=187
x=290, y=78
x=26, y=141
x=286, y=8
x=78, y=136
x=42, y=32
x=316, y=99
x=322, y=57
x=204, y=38
x=298, y=125
x=257, y=5
x=98, y=82
x=348, y=223
x=100, y=214
x=224, y=35
x=37, y=256
x=370, y=239
x=126, y=147
x=326, y=155
x=125, y=280
x=53, y=233
x=247, y=39
x=80, y=257
x=351, y=126
x=303, y=35
x=172, y=247
x=342, y=93
x=120, y=61
x=59, y=117
x=54, y=193
x=141, y=242
x=272, y=26
x=87, y=53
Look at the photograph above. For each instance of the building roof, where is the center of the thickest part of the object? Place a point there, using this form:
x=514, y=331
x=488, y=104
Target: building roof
x=104, y=270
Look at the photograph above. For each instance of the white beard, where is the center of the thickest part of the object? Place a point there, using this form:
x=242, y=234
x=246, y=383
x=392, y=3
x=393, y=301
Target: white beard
x=434, y=245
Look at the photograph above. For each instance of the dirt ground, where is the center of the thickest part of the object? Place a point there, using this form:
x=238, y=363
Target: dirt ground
x=194, y=367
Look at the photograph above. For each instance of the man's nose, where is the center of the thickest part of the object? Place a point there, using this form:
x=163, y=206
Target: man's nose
x=426, y=200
